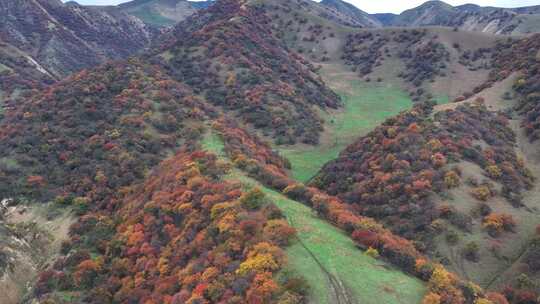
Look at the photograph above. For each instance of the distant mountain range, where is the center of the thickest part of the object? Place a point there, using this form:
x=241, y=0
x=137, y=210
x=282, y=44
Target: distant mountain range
x=469, y=17
x=351, y=11
x=46, y=40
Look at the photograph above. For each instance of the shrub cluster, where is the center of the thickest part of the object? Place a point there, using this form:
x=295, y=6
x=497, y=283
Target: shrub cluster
x=95, y=132
x=230, y=56
x=367, y=233
x=390, y=173
x=182, y=236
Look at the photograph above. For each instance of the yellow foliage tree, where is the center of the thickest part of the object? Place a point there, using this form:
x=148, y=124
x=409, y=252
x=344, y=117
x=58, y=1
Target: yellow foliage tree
x=451, y=179
x=210, y=273
x=493, y=171
x=163, y=266
x=227, y=222
x=432, y=298
x=482, y=301
x=435, y=144
x=372, y=252
x=231, y=80
x=221, y=208
x=258, y=263
x=481, y=193
x=441, y=279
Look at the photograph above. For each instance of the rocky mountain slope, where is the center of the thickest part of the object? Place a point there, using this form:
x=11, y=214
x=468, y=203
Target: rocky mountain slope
x=65, y=38
x=46, y=40
x=19, y=71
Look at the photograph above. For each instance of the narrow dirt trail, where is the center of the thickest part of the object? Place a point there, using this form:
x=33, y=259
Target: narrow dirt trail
x=340, y=295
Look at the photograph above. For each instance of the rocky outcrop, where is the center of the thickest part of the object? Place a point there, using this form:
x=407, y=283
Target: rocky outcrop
x=64, y=38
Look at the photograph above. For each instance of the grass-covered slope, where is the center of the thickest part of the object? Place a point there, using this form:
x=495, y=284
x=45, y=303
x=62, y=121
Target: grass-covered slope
x=364, y=107
x=339, y=272
x=515, y=79
x=520, y=56
x=162, y=13
x=430, y=61
x=377, y=73
x=336, y=266
x=453, y=182
x=258, y=161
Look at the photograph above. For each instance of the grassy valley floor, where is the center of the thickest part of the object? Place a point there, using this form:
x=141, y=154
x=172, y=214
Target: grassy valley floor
x=366, y=105
x=335, y=269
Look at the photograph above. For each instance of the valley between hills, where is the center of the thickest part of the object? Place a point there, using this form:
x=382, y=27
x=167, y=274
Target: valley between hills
x=268, y=151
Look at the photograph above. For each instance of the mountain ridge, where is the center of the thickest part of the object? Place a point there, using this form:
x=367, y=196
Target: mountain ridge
x=54, y=40
x=155, y=219
x=352, y=11
x=469, y=17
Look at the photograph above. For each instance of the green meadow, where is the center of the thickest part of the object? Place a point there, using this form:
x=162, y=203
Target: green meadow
x=365, y=106
x=326, y=257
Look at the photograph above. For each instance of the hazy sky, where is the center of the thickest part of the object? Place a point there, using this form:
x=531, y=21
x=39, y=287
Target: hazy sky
x=384, y=6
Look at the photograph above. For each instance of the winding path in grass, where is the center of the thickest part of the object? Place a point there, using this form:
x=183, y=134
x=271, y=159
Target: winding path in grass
x=332, y=263
x=339, y=292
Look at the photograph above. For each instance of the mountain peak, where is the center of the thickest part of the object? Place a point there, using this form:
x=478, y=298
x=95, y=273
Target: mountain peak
x=437, y=3
x=433, y=4
x=470, y=17
x=352, y=12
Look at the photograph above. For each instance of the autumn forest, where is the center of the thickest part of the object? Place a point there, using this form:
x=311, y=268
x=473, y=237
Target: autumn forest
x=268, y=151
